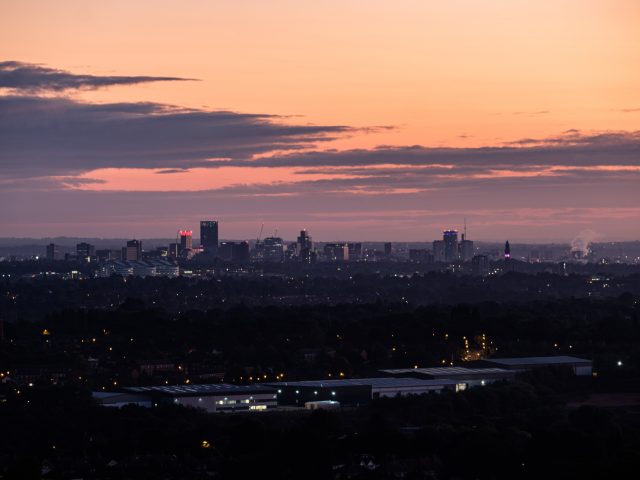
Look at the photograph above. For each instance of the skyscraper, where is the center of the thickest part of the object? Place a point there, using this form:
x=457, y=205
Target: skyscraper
x=273, y=249
x=85, y=251
x=466, y=249
x=186, y=239
x=387, y=249
x=438, y=251
x=450, y=239
x=507, y=250
x=52, y=252
x=355, y=251
x=133, y=250
x=209, y=236
x=480, y=265
x=304, y=241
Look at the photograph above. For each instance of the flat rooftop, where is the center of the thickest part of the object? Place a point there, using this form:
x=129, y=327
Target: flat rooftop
x=380, y=382
x=203, y=389
x=554, y=360
x=443, y=371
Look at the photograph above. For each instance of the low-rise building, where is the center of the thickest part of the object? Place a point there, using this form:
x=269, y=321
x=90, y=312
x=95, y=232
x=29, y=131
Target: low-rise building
x=580, y=366
x=358, y=391
x=215, y=397
x=470, y=376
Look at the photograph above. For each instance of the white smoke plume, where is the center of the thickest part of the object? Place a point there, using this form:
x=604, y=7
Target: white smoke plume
x=582, y=241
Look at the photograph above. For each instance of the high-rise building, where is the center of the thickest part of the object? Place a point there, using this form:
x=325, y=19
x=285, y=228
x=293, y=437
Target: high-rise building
x=225, y=250
x=240, y=253
x=174, y=250
x=507, y=250
x=85, y=251
x=186, y=239
x=52, y=252
x=465, y=249
x=355, y=251
x=336, y=252
x=387, y=249
x=450, y=239
x=209, y=236
x=272, y=249
x=480, y=265
x=305, y=247
x=438, y=251
x=133, y=250
x=305, y=240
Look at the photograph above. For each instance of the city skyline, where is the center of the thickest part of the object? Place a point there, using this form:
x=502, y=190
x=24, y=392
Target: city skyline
x=390, y=125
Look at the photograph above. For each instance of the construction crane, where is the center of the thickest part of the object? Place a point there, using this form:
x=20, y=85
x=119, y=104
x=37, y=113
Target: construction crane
x=260, y=234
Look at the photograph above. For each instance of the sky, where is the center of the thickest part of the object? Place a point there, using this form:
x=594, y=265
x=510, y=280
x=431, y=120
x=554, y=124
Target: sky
x=358, y=120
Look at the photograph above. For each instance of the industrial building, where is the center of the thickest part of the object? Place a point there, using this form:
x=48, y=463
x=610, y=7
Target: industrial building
x=120, y=399
x=217, y=397
x=470, y=376
x=358, y=391
x=580, y=366
x=315, y=394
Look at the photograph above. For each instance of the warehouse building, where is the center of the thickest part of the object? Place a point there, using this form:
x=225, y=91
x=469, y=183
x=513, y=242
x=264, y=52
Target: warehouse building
x=580, y=366
x=217, y=397
x=358, y=391
x=120, y=399
x=471, y=376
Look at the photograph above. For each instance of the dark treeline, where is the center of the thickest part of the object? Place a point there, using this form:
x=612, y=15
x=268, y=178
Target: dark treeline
x=318, y=341
x=31, y=299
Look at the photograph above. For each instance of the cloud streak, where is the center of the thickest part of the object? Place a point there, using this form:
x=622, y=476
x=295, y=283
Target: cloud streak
x=44, y=136
x=33, y=78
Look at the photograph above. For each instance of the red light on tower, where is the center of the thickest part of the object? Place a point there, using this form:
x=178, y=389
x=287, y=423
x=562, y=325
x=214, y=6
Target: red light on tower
x=185, y=239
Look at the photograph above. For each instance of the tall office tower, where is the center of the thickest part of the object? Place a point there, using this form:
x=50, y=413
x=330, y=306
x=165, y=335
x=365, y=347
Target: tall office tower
x=209, y=236
x=186, y=239
x=466, y=249
x=52, y=252
x=507, y=250
x=450, y=239
x=174, y=250
x=304, y=247
x=438, y=251
x=355, y=251
x=387, y=249
x=304, y=241
x=85, y=251
x=336, y=252
x=273, y=249
x=133, y=250
x=480, y=265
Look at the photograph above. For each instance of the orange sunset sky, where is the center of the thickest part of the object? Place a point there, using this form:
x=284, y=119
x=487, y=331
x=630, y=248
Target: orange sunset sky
x=364, y=120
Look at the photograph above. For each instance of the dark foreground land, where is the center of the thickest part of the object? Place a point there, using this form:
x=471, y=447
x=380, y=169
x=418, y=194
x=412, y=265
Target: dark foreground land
x=514, y=430
x=59, y=346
